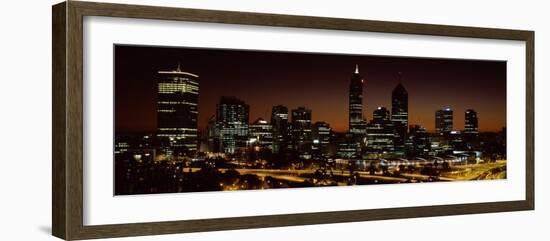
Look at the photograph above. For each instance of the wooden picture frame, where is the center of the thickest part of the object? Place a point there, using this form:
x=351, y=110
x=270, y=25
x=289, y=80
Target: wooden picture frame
x=67, y=76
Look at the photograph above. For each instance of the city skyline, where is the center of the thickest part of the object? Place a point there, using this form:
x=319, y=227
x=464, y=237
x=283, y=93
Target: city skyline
x=242, y=149
x=330, y=106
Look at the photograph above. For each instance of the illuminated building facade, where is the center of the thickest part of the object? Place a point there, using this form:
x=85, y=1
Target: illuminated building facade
x=420, y=141
x=301, y=132
x=356, y=122
x=471, y=132
x=346, y=146
x=456, y=141
x=470, y=122
x=260, y=134
x=400, y=115
x=135, y=147
x=321, y=138
x=444, y=121
x=279, y=121
x=380, y=133
x=177, y=110
x=232, y=124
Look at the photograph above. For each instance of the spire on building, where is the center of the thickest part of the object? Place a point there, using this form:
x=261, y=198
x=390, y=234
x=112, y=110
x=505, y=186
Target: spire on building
x=356, y=68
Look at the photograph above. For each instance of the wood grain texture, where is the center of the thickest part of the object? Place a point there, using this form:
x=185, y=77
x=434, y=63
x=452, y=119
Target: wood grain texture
x=67, y=197
x=59, y=181
x=74, y=121
x=280, y=20
x=530, y=120
x=155, y=228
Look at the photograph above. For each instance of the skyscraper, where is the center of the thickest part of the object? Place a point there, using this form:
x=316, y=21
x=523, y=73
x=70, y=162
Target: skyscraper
x=356, y=122
x=301, y=132
x=279, y=121
x=471, y=132
x=321, y=135
x=232, y=121
x=400, y=114
x=260, y=133
x=444, y=121
x=470, y=122
x=177, y=109
x=380, y=133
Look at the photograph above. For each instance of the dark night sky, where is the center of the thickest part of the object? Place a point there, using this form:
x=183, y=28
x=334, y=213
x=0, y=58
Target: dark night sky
x=316, y=81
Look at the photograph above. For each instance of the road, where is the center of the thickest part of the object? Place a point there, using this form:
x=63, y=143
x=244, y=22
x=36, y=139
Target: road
x=495, y=170
x=295, y=175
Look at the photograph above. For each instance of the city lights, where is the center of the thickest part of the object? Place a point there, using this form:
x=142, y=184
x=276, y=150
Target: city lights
x=290, y=146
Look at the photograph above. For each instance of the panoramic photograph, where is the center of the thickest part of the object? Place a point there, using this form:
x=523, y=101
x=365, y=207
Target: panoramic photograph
x=204, y=119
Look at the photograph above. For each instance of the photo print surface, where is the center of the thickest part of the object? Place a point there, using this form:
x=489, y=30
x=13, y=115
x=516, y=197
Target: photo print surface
x=193, y=120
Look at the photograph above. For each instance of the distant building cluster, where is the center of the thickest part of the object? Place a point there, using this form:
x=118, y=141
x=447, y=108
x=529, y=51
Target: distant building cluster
x=290, y=133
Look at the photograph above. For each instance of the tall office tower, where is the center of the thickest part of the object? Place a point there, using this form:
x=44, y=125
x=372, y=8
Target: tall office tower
x=444, y=121
x=232, y=121
x=400, y=115
x=177, y=110
x=380, y=133
x=260, y=134
x=356, y=122
x=471, y=132
x=301, y=132
x=470, y=122
x=321, y=135
x=279, y=121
